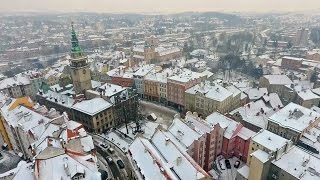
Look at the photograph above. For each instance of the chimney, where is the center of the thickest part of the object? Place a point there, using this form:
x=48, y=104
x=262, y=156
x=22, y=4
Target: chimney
x=179, y=160
x=167, y=141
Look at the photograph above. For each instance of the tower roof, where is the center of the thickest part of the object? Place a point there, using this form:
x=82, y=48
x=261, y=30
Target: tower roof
x=76, y=51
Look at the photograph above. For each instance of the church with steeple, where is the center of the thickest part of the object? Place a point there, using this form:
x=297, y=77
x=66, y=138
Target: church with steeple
x=80, y=71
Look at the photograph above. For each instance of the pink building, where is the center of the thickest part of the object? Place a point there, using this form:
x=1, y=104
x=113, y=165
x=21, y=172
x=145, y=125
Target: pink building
x=178, y=84
x=236, y=138
x=202, y=141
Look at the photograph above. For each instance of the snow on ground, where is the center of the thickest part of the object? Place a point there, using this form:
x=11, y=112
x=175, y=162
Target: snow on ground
x=164, y=114
x=228, y=174
x=148, y=128
x=118, y=141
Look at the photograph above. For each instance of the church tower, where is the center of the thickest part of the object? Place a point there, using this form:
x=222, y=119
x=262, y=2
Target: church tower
x=79, y=66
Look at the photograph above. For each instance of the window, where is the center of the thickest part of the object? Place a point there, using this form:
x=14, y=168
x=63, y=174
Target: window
x=252, y=149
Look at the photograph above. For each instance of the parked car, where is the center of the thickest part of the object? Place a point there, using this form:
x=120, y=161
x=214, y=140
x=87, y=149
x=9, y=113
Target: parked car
x=152, y=117
x=104, y=145
x=237, y=164
x=109, y=160
x=228, y=165
x=120, y=164
x=111, y=150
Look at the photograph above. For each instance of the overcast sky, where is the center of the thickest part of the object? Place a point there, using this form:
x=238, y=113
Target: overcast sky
x=158, y=5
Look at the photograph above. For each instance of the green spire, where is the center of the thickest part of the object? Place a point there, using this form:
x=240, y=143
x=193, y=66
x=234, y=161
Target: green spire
x=75, y=49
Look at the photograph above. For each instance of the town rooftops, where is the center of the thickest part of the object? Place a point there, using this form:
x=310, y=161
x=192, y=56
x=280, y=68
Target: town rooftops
x=181, y=163
x=311, y=138
x=292, y=58
x=214, y=92
x=57, y=98
x=185, y=75
x=300, y=164
x=256, y=93
x=269, y=140
x=27, y=119
x=166, y=51
x=278, y=79
x=110, y=90
x=294, y=117
x=234, y=90
x=316, y=91
x=230, y=126
x=144, y=70
x=307, y=95
x=66, y=166
x=197, y=123
x=255, y=113
x=145, y=154
x=121, y=71
x=299, y=85
x=92, y=106
x=17, y=80
x=183, y=133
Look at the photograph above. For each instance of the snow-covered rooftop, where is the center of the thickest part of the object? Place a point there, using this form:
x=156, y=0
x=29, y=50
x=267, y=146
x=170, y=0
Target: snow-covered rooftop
x=182, y=132
x=307, y=95
x=269, y=140
x=278, y=79
x=292, y=58
x=214, y=92
x=185, y=75
x=65, y=166
x=261, y=155
x=181, y=163
x=299, y=164
x=144, y=70
x=234, y=90
x=92, y=106
x=58, y=98
x=17, y=80
x=256, y=113
x=145, y=154
x=294, y=117
x=110, y=90
x=230, y=126
x=256, y=93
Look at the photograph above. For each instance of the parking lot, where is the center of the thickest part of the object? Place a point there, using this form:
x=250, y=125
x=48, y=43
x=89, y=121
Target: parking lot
x=230, y=172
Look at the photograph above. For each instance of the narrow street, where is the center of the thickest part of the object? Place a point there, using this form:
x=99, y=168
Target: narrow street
x=103, y=165
x=122, y=174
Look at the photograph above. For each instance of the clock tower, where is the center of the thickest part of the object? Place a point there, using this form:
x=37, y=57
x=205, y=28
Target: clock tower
x=79, y=66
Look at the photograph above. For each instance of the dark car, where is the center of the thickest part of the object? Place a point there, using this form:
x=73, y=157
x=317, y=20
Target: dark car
x=104, y=174
x=237, y=164
x=120, y=164
x=228, y=165
x=104, y=145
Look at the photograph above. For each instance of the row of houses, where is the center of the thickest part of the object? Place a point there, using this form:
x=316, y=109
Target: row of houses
x=188, y=148
x=47, y=137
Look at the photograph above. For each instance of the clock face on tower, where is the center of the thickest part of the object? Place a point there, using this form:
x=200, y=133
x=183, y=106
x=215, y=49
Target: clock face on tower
x=84, y=71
